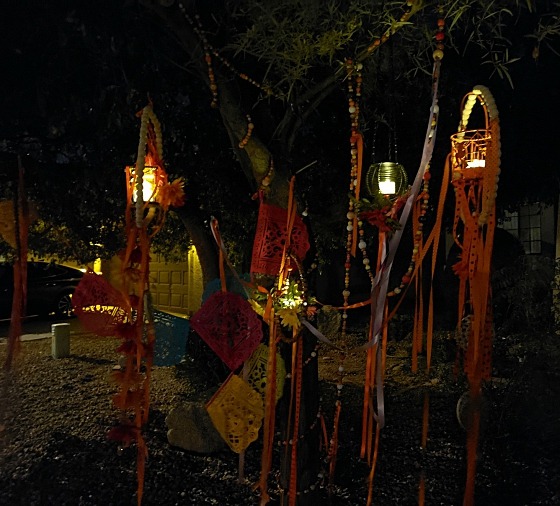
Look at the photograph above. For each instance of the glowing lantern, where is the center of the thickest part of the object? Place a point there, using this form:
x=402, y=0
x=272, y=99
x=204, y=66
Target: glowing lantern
x=387, y=178
x=152, y=179
x=469, y=148
x=148, y=185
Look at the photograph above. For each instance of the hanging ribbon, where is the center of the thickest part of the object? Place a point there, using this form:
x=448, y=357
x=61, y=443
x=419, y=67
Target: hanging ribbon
x=19, y=298
x=475, y=159
x=358, y=140
x=369, y=383
x=382, y=278
x=270, y=392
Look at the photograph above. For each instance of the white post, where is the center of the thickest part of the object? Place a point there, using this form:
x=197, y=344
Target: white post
x=60, y=340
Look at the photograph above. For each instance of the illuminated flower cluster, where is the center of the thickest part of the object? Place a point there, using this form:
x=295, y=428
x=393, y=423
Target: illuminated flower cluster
x=290, y=304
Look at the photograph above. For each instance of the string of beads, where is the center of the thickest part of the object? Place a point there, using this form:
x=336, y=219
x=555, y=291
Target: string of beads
x=250, y=126
x=197, y=28
x=209, y=51
x=262, y=86
x=407, y=12
x=312, y=356
x=304, y=434
x=311, y=488
x=424, y=196
x=264, y=187
x=423, y=199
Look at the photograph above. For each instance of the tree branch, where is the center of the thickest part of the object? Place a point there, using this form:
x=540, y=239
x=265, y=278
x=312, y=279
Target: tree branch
x=255, y=157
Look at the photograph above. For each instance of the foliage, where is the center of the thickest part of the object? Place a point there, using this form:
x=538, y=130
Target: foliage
x=80, y=73
x=380, y=211
x=295, y=38
x=523, y=294
x=172, y=241
x=524, y=402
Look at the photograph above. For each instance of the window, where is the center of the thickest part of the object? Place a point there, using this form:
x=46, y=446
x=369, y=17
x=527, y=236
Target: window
x=525, y=224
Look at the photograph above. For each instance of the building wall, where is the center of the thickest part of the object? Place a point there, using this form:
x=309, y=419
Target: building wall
x=175, y=287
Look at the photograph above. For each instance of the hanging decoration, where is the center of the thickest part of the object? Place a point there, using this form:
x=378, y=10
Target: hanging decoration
x=228, y=324
x=387, y=185
x=15, y=232
x=101, y=308
x=380, y=285
x=475, y=169
x=284, y=307
x=226, y=320
x=381, y=213
x=386, y=178
x=270, y=238
x=256, y=371
x=128, y=312
x=237, y=412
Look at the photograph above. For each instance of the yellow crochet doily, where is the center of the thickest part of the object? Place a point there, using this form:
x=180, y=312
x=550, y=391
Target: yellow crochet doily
x=237, y=412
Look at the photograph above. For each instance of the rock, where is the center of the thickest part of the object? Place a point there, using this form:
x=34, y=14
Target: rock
x=191, y=428
x=328, y=322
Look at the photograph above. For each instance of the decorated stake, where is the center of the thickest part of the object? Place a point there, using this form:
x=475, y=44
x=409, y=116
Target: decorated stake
x=475, y=165
x=127, y=313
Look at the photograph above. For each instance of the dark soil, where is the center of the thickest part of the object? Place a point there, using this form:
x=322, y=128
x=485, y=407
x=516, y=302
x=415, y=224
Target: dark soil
x=55, y=415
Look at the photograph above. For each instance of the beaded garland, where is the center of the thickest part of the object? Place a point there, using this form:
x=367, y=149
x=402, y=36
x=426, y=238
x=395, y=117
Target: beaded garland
x=284, y=442
x=197, y=28
x=424, y=197
x=250, y=126
x=209, y=51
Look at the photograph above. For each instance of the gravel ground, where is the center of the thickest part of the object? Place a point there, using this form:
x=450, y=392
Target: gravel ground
x=54, y=416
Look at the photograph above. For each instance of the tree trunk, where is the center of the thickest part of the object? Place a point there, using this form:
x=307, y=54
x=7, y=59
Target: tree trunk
x=556, y=281
x=204, y=243
x=309, y=428
x=255, y=161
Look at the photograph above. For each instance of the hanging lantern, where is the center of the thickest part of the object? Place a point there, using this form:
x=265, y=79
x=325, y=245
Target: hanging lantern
x=386, y=178
x=468, y=153
x=475, y=154
x=148, y=184
x=469, y=148
x=153, y=178
x=475, y=165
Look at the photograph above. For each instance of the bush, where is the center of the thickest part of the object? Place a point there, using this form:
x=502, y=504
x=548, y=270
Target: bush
x=523, y=294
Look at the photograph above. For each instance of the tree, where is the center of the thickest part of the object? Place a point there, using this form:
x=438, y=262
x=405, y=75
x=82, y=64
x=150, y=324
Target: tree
x=77, y=109
x=281, y=63
x=297, y=53
x=295, y=89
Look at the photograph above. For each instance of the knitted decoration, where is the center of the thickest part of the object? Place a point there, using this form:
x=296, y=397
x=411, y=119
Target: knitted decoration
x=230, y=326
x=237, y=412
x=270, y=238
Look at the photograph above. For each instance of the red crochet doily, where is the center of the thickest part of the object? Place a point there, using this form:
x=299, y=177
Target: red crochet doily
x=270, y=239
x=100, y=307
x=228, y=324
